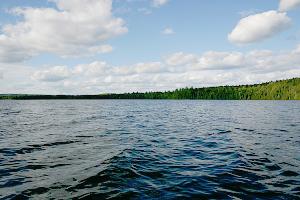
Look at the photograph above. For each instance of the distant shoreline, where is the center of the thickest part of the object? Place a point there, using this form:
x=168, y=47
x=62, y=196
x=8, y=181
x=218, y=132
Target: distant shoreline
x=276, y=90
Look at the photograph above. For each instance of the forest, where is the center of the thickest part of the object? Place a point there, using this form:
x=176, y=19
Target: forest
x=275, y=90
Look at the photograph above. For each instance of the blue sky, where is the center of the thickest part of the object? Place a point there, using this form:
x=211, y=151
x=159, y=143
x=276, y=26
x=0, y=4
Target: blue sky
x=153, y=44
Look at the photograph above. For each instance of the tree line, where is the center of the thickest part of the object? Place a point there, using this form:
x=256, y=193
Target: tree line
x=275, y=90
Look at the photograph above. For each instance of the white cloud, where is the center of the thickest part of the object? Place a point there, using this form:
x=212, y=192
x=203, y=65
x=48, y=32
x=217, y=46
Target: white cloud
x=221, y=60
x=246, y=13
x=151, y=67
x=158, y=3
x=180, y=58
x=101, y=49
x=53, y=74
x=286, y=5
x=210, y=60
x=139, y=68
x=177, y=70
x=256, y=61
x=76, y=26
x=168, y=31
x=96, y=68
x=258, y=27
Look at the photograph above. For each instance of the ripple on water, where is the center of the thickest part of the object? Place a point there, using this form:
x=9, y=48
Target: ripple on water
x=149, y=150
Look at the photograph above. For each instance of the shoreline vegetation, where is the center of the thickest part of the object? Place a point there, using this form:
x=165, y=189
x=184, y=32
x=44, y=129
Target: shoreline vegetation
x=275, y=90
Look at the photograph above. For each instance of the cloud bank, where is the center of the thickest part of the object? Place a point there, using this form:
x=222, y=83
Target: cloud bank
x=173, y=71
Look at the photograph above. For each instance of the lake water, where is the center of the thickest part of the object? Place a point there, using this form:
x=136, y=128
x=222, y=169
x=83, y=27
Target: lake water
x=148, y=149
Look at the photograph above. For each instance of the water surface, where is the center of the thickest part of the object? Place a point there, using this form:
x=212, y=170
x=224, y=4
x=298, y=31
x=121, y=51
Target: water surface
x=147, y=149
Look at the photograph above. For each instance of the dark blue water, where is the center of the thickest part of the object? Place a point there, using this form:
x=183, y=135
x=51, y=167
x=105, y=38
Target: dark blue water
x=149, y=149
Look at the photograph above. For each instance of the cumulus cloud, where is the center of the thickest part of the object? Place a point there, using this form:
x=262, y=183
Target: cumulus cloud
x=158, y=3
x=286, y=5
x=180, y=58
x=53, y=74
x=258, y=27
x=96, y=68
x=221, y=60
x=168, y=31
x=73, y=27
x=101, y=49
x=256, y=61
x=174, y=71
x=210, y=60
x=151, y=67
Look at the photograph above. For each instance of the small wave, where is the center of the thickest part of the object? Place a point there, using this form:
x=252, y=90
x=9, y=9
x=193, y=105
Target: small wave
x=281, y=130
x=289, y=173
x=32, y=148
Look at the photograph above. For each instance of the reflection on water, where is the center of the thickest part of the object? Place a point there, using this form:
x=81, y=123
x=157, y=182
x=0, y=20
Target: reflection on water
x=149, y=149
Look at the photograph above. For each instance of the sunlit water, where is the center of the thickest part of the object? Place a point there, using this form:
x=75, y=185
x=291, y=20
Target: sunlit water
x=127, y=149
